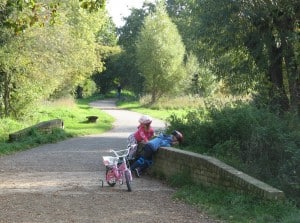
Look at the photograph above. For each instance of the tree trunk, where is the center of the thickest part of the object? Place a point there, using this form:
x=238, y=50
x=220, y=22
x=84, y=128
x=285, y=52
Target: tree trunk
x=153, y=96
x=293, y=78
x=1, y=93
x=276, y=77
x=286, y=25
x=6, y=94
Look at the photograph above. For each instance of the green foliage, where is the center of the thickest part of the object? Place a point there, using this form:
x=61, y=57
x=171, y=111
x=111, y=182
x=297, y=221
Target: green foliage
x=106, y=79
x=125, y=67
x=163, y=108
x=82, y=31
x=75, y=122
x=238, y=208
x=21, y=15
x=92, y=5
x=74, y=117
x=250, y=46
x=18, y=16
x=47, y=61
x=195, y=133
x=87, y=89
x=33, y=139
x=107, y=33
x=201, y=80
x=253, y=140
x=181, y=179
x=108, y=52
x=9, y=125
x=160, y=64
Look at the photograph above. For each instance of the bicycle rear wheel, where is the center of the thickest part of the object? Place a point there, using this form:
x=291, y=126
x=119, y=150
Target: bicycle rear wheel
x=110, y=177
x=127, y=179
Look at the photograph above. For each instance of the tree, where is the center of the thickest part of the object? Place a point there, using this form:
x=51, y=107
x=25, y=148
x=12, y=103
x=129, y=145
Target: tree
x=44, y=61
x=160, y=53
x=20, y=15
x=84, y=49
x=200, y=80
x=107, y=78
x=250, y=43
x=125, y=67
x=108, y=51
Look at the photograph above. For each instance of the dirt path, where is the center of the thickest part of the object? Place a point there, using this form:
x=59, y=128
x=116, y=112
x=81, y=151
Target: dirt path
x=61, y=182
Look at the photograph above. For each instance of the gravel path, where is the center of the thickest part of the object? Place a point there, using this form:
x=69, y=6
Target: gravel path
x=61, y=182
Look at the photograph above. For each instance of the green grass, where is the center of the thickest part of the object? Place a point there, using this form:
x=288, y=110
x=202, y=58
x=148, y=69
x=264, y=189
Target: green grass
x=74, y=117
x=238, y=208
x=73, y=113
x=224, y=205
x=228, y=206
x=232, y=207
x=156, y=112
x=167, y=106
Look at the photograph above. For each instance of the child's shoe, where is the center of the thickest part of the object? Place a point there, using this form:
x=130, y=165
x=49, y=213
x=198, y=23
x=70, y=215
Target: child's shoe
x=137, y=172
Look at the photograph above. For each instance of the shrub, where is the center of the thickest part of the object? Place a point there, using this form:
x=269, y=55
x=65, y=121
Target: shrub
x=87, y=89
x=253, y=140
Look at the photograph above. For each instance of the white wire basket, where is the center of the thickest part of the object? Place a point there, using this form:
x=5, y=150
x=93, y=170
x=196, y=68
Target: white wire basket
x=110, y=160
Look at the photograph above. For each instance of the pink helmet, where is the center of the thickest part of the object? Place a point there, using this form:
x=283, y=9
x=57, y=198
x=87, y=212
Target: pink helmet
x=145, y=119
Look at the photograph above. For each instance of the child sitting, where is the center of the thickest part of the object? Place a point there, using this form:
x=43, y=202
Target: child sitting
x=162, y=140
x=137, y=140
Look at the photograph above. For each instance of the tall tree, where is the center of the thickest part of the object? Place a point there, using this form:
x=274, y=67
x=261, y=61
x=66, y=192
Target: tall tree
x=160, y=53
x=83, y=28
x=47, y=60
x=126, y=68
x=109, y=50
x=249, y=42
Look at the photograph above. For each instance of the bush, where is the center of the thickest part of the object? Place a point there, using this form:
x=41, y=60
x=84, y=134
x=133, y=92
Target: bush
x=87, y=89
x=253, y=140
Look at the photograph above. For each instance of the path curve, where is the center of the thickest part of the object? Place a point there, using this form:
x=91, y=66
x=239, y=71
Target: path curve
x=61, y=183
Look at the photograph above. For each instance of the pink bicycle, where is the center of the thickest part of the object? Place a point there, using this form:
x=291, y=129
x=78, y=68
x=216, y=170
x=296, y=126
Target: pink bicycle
x=117, y=168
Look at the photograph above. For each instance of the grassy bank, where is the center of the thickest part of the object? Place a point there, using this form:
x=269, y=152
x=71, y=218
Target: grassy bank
x=73, y=113
x=236, y=208
x=227, y=206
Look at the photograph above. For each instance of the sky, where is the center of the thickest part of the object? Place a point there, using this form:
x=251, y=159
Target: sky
x=121, y=8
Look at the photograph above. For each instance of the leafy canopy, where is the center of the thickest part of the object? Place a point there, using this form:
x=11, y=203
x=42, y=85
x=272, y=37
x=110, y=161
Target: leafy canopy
x=160, y=53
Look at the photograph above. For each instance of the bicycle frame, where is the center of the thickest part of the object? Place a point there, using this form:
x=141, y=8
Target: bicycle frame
x=117, y=168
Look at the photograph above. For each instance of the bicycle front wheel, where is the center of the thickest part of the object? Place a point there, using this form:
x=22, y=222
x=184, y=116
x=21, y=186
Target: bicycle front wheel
x=127, y=179
x=110, y=177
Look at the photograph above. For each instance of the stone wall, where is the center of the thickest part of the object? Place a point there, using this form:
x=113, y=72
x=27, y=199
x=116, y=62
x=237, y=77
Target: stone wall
x=45, y=127
x=210, y=171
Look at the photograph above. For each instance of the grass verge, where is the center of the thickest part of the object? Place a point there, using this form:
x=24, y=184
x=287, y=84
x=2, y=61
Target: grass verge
x=232, y=207
x=224, y=205
x=160, y=113
x=237, y=208
x=73, y=113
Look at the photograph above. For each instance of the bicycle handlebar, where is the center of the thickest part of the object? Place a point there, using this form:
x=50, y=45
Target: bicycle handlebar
x=120, y=153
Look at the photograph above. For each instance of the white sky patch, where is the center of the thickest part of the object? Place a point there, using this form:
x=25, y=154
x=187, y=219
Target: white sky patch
x=118, y=9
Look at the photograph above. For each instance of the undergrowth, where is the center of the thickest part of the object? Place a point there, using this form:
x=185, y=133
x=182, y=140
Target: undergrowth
x=230, y=206
x=252, y=140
